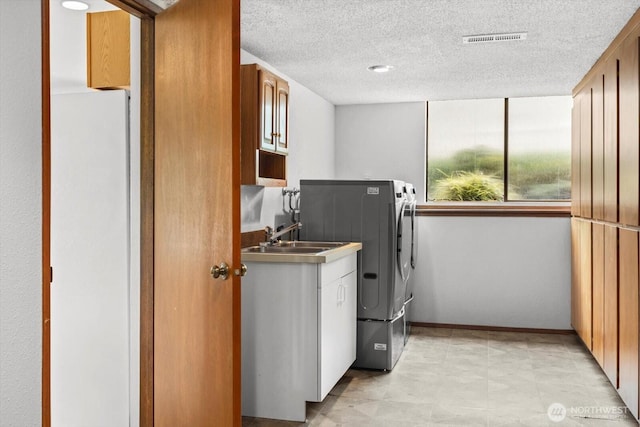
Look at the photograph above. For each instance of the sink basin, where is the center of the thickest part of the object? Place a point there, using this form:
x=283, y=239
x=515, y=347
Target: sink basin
x=301, y=244
x=294, y=247
x=300, y=252
x=285, y=249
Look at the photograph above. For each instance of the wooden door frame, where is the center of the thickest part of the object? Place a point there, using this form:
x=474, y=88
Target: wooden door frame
x=146, y=11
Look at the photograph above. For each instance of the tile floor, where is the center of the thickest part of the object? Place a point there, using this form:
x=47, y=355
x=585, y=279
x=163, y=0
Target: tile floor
x=454, y=377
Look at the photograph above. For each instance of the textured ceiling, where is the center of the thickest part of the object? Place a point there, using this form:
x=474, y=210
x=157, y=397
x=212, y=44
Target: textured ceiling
x=164, y=3
x=327, y=45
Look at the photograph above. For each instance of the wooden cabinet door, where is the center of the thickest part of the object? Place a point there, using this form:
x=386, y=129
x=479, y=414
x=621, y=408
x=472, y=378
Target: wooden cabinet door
x=585, y=153
x=610, y=347
x=108, y=50
x=282, y=128
x=575, y=273
x=629, y=136
x=268, y=110
x=197, y=214
x=597, y=146
x=597, y=314
x=581, y=279
x=611, y=141
x=585, y=285
x=628, y=327
x=576, y=114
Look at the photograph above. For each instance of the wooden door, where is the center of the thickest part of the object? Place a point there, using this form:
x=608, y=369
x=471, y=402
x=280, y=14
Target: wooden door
x=196, y=212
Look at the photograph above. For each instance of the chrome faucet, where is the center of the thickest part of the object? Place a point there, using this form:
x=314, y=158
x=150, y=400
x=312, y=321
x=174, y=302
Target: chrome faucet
x=272, y=237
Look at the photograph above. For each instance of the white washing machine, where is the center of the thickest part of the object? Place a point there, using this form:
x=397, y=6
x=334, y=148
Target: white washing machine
x=376, y=213
x=412, y=202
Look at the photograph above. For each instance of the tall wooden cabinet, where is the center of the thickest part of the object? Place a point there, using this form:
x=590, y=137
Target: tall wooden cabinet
x=265, y=126
x=605, y=212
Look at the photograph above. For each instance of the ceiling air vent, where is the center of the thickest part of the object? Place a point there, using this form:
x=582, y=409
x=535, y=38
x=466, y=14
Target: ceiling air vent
x=492, y=38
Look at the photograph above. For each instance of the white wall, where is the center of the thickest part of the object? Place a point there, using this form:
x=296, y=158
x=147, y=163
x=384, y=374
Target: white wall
x=381, y=141
x=512, y=272
x=311, y=151
x=515, y=271
x=20, y=214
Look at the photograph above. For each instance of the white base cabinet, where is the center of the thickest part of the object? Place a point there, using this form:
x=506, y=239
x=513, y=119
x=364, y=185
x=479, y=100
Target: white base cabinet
x=298, y=334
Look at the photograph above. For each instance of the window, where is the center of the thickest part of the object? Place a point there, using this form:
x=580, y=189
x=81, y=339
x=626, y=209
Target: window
x=468, y=141
x=466, y=150
x=539, y=148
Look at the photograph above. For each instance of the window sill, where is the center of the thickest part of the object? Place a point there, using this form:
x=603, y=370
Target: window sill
x=557, y=210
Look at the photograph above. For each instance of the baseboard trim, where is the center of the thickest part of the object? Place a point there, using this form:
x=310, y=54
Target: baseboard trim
x=495, y=328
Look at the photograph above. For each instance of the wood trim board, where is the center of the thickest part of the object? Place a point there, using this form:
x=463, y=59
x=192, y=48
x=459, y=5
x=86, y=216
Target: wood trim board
x=494, y=211
x=46, y=216
x=494, y=328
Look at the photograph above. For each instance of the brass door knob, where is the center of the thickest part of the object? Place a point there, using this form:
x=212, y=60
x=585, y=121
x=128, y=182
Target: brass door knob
x=242, y=271
x=220, y=272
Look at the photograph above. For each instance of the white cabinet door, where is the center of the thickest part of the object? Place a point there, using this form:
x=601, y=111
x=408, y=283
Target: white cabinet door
x=337, y=331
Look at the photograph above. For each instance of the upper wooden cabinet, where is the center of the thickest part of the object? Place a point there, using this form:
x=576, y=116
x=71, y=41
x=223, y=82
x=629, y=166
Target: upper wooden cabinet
x=108, y=50
x=274, y=114
x=264, y=126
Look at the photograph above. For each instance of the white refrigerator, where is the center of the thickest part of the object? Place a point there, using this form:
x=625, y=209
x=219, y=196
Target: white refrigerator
x=90, y=256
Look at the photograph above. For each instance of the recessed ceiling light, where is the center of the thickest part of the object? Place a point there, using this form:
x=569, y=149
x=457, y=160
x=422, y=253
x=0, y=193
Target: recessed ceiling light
x=75, y=5
x=380, y=68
